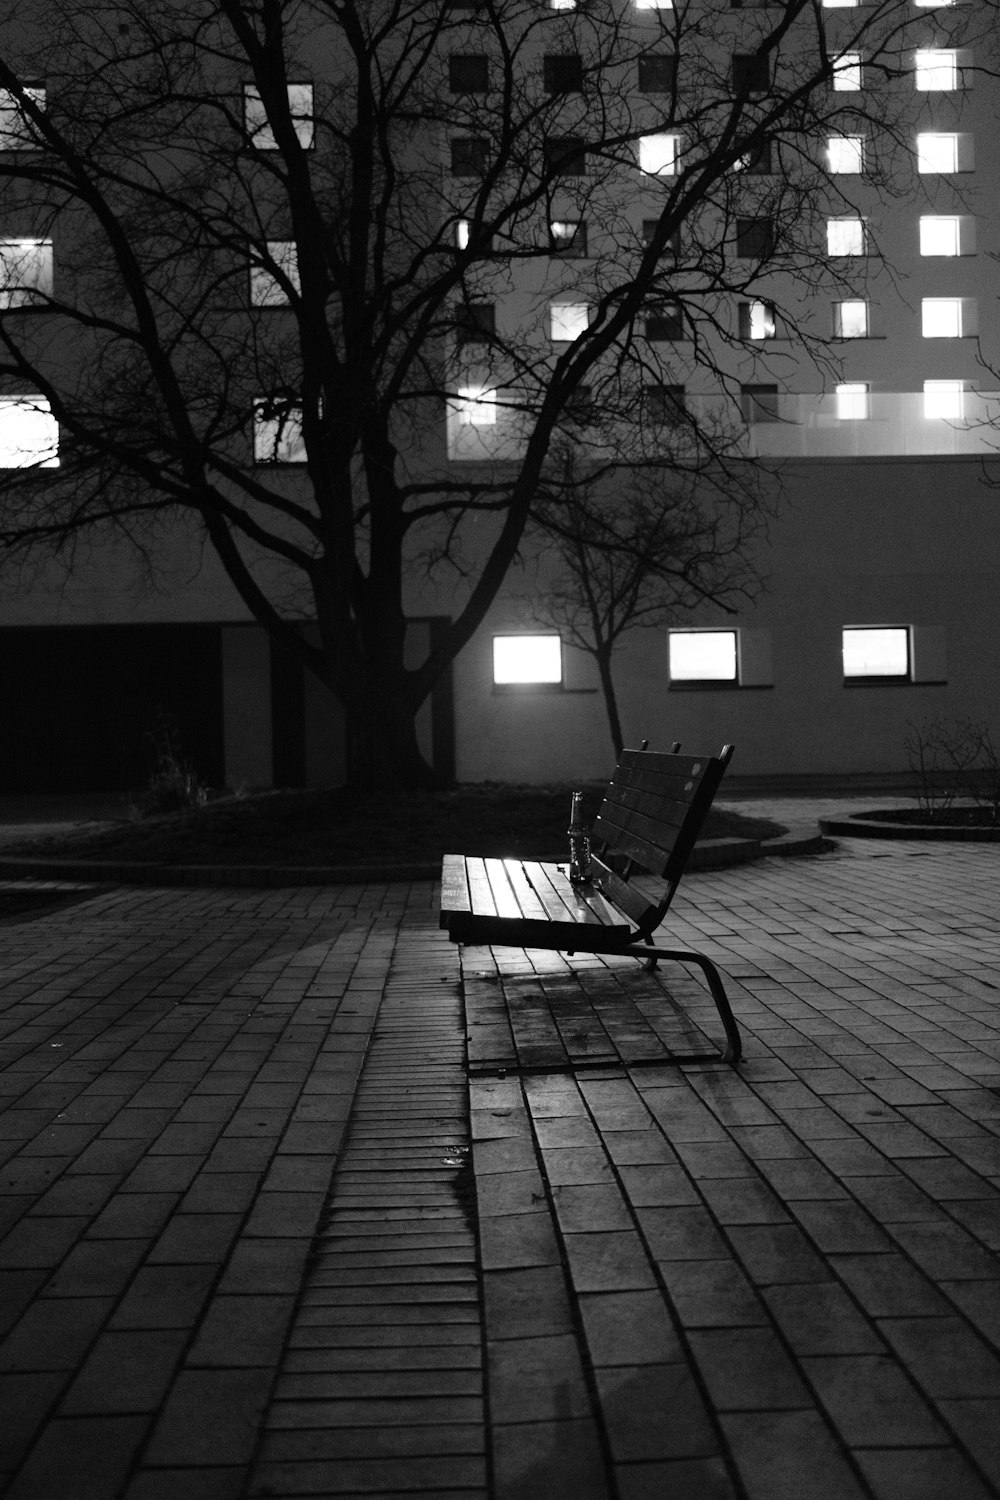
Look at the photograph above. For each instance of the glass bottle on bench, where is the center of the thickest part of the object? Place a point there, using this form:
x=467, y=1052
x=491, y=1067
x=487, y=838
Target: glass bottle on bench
x=579, y=843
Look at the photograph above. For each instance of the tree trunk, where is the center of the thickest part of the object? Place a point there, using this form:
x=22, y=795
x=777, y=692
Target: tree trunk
x=610, y=700
x=383, y=751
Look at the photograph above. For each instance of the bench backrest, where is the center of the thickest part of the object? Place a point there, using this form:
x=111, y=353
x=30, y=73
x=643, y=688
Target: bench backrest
x=651, y=816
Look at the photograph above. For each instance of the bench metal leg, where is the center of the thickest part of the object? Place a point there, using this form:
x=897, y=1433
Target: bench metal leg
x=734, y=1045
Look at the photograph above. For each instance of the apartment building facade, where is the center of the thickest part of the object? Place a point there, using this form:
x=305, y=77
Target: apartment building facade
x=859, y=369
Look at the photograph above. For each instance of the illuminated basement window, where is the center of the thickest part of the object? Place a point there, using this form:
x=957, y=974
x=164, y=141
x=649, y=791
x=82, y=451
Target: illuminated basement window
x=567, y=320
x=702, y=655
x=937, y=153
x=265, y=288
x=258, y=126
x=877, y=652
x=29, y=433
x=852, y=401
x=944, y=398
x=277, y=432
x=936, y=69
x=521, y=660
x=476, y=406
x=840, y=4
x=850, y=320
x=847, y=73
x=654, y=4
x=658, y=154
x=25, y=272
x=845, y=237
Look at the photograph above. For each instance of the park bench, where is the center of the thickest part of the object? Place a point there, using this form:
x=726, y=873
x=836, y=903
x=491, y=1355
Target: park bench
x=641, y=840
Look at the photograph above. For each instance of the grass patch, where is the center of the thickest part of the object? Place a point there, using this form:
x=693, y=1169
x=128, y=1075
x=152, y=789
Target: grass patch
x=344, y=827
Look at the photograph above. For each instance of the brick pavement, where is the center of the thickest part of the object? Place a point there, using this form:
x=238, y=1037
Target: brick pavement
x=656, y=1283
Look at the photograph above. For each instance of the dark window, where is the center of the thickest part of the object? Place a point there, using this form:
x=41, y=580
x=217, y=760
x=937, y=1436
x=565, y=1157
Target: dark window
x=759, y=403
x=664, y=404
x=751, y=73
x=665, y=323
x=673, y=245
x=568, y=237
x=563, y=73
x=751, y=4
x=566, y=155
x=658, y=73
x=467, y=73
x=475, y=322
x=579, y=408
x=470, y=156
x=754, y=238
x=758, y=160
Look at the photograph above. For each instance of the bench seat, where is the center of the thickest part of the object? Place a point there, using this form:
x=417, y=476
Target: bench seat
x=525, y=904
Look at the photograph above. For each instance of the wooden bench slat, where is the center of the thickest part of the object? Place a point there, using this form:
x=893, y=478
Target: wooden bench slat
x=455, y=895
x=626, y=897
x=504, y=897
x=479, y=886
x=660, y=763
x=666, y=811
x=558, y=894
x=651, y=856
x=528, y=898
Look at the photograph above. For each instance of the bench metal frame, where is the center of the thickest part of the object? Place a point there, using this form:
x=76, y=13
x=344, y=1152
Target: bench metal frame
x=648, y=823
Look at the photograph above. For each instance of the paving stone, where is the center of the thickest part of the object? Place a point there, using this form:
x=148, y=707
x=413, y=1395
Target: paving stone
x=944, y=1355
x=607, y=1261
x=840, y=1226
x=536, y=1380
x=785, y=1455
x=712, y=1293
x=521, y=1303
x=776, y=1254
x=820, y=1318
x=88, y=1458
x=54, y=1333
x=743, y=1200
x=654, y=1412
x=681, y=1234
x=213, y=1483
x=681, y=1479
x=27, y=1400
x=210, y=1417
x=561, y=1460
x=871, y=1401
x=947, y=1250
x=126, y=1371
x=524, y=1240
x=922, y=1474
x=974, y=1420
x=747, y=1369
x=628, y=1328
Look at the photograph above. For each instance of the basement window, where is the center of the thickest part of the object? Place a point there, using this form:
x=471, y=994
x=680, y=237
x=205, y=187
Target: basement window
x=702, y=658
x=527, y=661
x=876, y=653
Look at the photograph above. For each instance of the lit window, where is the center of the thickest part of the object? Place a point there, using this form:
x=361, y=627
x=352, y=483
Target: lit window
x=25, y=272
x=877, y=651
x=658, y=154
x=267, y=289
x=941, y=317
x=702, y=655
x=16, y=130
x=936, y=69
x=526, y=659
x=845, y=236
x=654, y=4
x=758, y=161
x=258, y=126
x=568, y=237
x=29, y=433
x=567, y=320
x=937, y=153
x=944, y=398
x=757, y=320
x=562, y=4
x=847, y=73
x=939, y=235
x=850, y=320
x=839, y=4
x=852, y=401
x=466, y=231
x=277, y=432
x=926, y=4
x=476, y=406
x=845, y=153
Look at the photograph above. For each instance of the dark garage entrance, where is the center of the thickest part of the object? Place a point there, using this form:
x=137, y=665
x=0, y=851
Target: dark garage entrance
x=79, y=703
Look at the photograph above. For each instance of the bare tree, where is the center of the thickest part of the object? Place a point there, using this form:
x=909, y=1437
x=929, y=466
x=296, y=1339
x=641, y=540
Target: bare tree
x=305, y=252
x=664, y=545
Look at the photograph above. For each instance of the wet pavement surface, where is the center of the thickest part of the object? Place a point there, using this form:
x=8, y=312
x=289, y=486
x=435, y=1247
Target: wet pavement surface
x=264, y=1233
